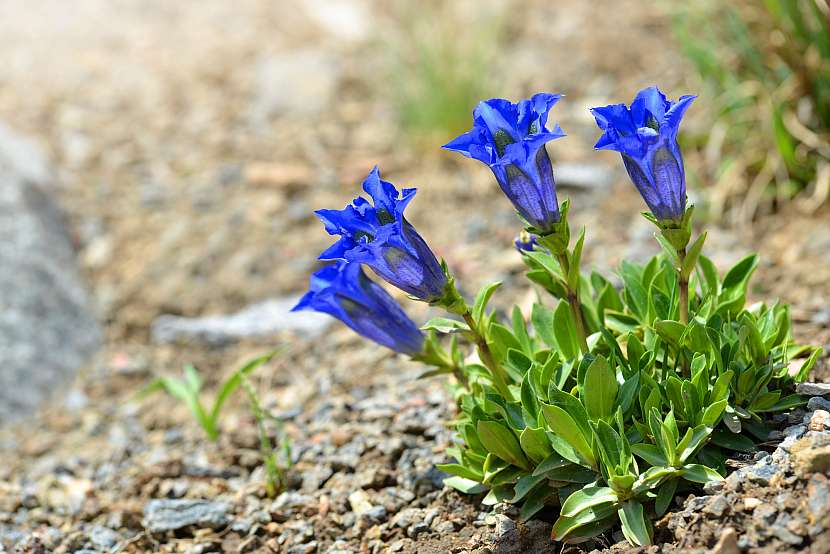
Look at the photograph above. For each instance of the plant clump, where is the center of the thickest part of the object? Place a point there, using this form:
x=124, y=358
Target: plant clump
x=611, y=400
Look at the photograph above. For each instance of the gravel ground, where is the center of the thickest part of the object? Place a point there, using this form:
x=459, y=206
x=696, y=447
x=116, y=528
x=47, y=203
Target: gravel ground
x=181, y=135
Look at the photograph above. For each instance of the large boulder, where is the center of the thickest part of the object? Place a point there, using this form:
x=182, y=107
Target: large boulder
x=47, y=327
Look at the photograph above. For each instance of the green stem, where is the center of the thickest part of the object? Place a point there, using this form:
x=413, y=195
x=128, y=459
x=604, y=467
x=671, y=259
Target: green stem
x=574, y=303
x=496, y=371
x=460, y=377
x=683, y=287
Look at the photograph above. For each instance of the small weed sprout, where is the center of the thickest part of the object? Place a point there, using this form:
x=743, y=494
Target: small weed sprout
x=188, y=389
x=276, y=462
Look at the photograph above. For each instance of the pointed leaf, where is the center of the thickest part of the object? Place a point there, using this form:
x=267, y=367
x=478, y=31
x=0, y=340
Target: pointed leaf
x=600, y=389
x=587, y=497
x=501, y=441
x=634, y=525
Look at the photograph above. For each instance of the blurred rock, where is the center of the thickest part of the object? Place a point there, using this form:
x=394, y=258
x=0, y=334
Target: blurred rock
x=347, y=20
x=728, y=542
x=258, y=320
x=162, y=515
x=583, y=175
x=813, y=389
x=299, y=82
x=47, y=329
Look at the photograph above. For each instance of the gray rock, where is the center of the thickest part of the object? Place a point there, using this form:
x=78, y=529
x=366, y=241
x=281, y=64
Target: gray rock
x=761, y=471
x=104, y=538
x=818, y=503
x=792, y=434
x=47, y=328
x=416, y=529
x=376, y=514
x=813, y=389
x=162, y=515
x=408, y=517
x=818, y=403
x=504, y=526
x=717, y=506
x=289, y=502
x=782, y=531
x=258, y=320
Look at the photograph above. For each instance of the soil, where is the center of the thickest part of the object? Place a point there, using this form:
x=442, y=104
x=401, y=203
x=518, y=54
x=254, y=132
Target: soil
x=191, y=180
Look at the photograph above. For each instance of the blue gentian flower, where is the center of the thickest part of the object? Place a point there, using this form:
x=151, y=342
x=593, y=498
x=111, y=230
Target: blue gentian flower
x=526, y=242
x=344, y=291
x=379, y=236
x=646, y=136
x=510, y=138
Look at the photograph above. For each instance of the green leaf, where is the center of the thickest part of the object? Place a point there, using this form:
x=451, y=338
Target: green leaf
x=620, y=322
x=697, y=473
x=634, y=525
x=573, y=270
x=501, y=441
x=535, y=444
x=692, y=255
x=693, y=440
x=786, y=403
x=543, y=324
x=765, y=401
x=466, y=486
x=720, y=390
x=712, y=414
x=530, y=403
x=609, y=444
x=652, y=477
x=482, y=298
x=564, y=329
x=608, y=299
x=731, y=441
x=461, y=471
x=600, y=389
x=553, y=461
x=671, y=331
x=691, y=401
x=520, y=331
x=565, y=426
x=573, y=407
x=585, y=498
x=628, y=392
x=710, y=275
x=192, y=379
x=445, y=325
x=665, y=494
x=536, y=500
x=668, y=249
x=524, y=485
x=566, y=526
x=499, y=494
x=233, y=382
x=572, y=473
x=650, y=453
x=740, y=273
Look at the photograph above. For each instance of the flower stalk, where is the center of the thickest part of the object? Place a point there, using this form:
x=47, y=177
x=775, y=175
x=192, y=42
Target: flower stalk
x=683, y=287
x=496, y=371
x=574, y=302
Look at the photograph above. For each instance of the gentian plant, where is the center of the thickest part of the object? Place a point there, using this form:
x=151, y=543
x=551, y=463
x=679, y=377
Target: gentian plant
x=608, y=403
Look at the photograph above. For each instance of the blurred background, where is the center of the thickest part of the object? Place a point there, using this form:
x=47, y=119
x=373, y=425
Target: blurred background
x=187, y=144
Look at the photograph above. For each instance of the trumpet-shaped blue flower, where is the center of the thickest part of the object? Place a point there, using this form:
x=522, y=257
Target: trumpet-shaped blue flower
x=377, y=234
x=344, y=291
x=511, y=138
x=646, y=136
x=526, y=242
